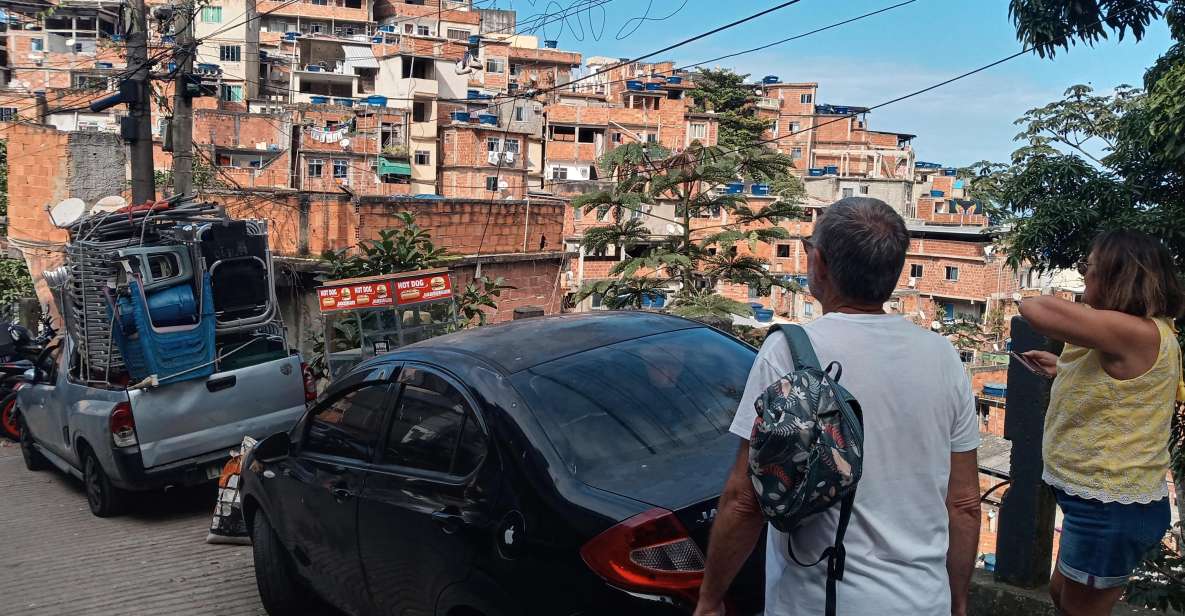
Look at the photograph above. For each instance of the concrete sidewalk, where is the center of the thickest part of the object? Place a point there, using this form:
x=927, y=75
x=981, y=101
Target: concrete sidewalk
x=56, y=558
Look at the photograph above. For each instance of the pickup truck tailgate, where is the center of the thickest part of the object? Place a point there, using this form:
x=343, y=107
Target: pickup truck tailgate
x=192, y=418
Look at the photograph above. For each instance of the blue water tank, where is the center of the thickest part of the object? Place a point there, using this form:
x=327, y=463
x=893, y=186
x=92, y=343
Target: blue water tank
x=634, y=84
x=472, y=94
x=654, y=86
x=761, y=189
x=387, y=28
x=551, y=44
x=763, y=316
x=815, y=172
x=949, y=172
x=937, y=193
x=734, y=188
x=167, y=307
x=460, y=116
x=104, y=65
x=674, y=79
x=999, y=390
x=168, y=39
x=376, y=39
x=376, y=100
x=474, y=40
x=319, y=100
x=487, y=118
x=344, y=102
x=291, y=35
x=769, y=79
x=831, y=170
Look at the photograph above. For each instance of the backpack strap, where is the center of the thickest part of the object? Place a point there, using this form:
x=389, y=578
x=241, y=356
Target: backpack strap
x=801, y=349
x=836, y=555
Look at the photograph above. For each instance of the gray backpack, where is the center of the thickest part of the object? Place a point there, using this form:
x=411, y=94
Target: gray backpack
x=806, y=452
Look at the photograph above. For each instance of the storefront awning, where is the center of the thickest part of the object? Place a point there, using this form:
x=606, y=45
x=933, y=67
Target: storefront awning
x=390, y=167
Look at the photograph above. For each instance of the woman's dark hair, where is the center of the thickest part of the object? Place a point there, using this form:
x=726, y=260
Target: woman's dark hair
x=1134, y=273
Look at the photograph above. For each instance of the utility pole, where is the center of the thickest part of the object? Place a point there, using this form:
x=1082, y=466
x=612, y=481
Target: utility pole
x=138, y=130
x=182, y=124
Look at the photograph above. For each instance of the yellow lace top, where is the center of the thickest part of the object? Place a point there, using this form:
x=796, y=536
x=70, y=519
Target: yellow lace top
x=1107, y=439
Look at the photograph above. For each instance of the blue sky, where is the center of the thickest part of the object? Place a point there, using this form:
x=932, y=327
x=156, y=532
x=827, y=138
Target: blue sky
x=877, y=59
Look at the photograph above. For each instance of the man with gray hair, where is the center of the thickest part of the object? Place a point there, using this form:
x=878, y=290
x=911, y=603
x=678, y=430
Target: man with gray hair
x=914, y=532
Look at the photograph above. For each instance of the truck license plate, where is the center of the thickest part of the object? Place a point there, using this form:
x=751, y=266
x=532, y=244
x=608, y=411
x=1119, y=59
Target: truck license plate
x=214, y=471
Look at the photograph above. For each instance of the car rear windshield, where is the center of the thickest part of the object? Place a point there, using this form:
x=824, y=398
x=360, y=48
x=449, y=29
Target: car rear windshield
x=643, y=397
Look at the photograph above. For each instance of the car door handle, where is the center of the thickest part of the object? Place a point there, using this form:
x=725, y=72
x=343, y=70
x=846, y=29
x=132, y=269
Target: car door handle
x=341, y=494
x=450, y=522
x=225, y=382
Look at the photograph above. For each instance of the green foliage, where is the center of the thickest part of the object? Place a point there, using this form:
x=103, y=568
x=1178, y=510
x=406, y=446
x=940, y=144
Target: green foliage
x=724, y=92
x=404, y=249
x=692, y=181
x=1159, y=583
x=708, y=305
x=205, y=177
x=479, y=294
x=15, y=281
x=1049, y=25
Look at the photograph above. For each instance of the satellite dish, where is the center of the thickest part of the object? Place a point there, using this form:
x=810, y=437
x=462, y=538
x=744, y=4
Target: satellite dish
x=68, y=211
x=109, y=204
x=345, y=143
x=503, y=184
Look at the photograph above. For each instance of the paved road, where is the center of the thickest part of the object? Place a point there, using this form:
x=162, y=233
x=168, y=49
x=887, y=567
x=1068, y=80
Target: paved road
x=56, y=558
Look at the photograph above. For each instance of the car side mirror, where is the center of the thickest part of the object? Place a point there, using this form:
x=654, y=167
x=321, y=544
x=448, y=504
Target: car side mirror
x=273, y=448
x=30, y=375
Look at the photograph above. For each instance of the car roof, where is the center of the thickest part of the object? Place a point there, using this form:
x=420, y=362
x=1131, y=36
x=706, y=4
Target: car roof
x=519, y=345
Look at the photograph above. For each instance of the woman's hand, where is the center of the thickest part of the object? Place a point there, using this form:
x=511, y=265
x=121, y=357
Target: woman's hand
x=1044, y=360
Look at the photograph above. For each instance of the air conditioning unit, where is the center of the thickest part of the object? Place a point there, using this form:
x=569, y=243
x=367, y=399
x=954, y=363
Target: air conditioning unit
x=913, y=282
x=493, y=157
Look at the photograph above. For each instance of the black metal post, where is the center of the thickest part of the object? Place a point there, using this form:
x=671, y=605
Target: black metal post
x=1024, y=544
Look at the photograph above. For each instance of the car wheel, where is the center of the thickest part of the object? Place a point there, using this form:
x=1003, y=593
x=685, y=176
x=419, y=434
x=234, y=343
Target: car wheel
x=34, y=461
x=280, y=589
x=9, y=425
x=104, y=499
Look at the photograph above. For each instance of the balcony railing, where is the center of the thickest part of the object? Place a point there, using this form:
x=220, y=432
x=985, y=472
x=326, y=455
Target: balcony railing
x=769, y=103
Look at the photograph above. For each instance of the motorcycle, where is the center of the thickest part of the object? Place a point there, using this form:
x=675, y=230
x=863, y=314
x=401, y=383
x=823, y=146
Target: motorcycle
x=19, y=352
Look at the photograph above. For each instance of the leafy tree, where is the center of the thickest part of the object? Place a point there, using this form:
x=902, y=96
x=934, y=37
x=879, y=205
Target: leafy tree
x=725, y=93
x=478, y=294
x=707, y=305
x=692, y=258
x=15, y=281
x=205, y=177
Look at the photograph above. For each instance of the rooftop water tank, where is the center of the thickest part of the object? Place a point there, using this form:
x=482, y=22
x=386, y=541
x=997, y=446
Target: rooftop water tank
x=487, y=118
x=344, y=102
x=815, y=172
x=634, y=84
x=653, y=86
x=674, y=80
x=734, y=188
x=551, y=44
x=319, y=100
x=376, y=100
x=769, y=79
x=761, y=189
x=831, y=170
x=460, y=116
x=387, y=28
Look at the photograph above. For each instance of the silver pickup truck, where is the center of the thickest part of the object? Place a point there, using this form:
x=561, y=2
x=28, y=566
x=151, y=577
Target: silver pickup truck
x=116, y=440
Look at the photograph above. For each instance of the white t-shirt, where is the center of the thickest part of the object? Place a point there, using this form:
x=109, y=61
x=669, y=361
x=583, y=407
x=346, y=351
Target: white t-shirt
x=918, y=409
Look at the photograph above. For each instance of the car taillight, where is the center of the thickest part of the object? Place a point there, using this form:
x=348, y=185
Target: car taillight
x=648, y=553
x=123, y=426
x=310, y=382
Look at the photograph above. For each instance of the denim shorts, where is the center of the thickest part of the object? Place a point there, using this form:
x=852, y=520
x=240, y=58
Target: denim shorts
x=1103, y=543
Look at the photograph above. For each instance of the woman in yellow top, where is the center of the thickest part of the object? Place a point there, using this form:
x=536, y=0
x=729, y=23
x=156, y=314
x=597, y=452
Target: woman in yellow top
x=1107, y=427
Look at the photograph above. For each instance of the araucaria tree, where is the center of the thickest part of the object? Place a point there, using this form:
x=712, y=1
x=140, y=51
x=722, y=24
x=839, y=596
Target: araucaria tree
x=699, y=251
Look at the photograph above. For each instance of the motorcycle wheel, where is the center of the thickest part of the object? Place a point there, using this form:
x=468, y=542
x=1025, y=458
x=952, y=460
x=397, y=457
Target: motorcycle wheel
x=9, y=425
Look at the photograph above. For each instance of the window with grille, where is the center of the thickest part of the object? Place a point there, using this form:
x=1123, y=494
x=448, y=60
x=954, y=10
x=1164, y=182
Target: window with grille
x=212, y=14
x=848, y=192
x=316, y=167
x=423, y=157
x=520, y=114
x=495, y=65
x=7, y=114
x=783, y=251
x=511, y=145
x=493, y=144
x=559, y=173
x=699, y=131
x=456, y=35
x=952, y=273
x=794, y=126
x=229, y=53
x=805, y=98
x=423, y=31
x=341, y=168
x=916, y=270
x=796, y=153
x=864, y=189
x=492, y=182
x=233, y=94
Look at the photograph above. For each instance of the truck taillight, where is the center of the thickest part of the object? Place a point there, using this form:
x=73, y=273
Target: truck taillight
x=649, y=553
x=123, y=426
x=310, y=382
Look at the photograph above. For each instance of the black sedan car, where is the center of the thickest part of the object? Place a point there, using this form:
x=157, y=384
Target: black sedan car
x=554, y=466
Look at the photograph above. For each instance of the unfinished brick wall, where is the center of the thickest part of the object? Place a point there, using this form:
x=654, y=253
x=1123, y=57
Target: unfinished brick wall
x=977, y=277
x=537, y=283
x=465, y=168
x=457, y=225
